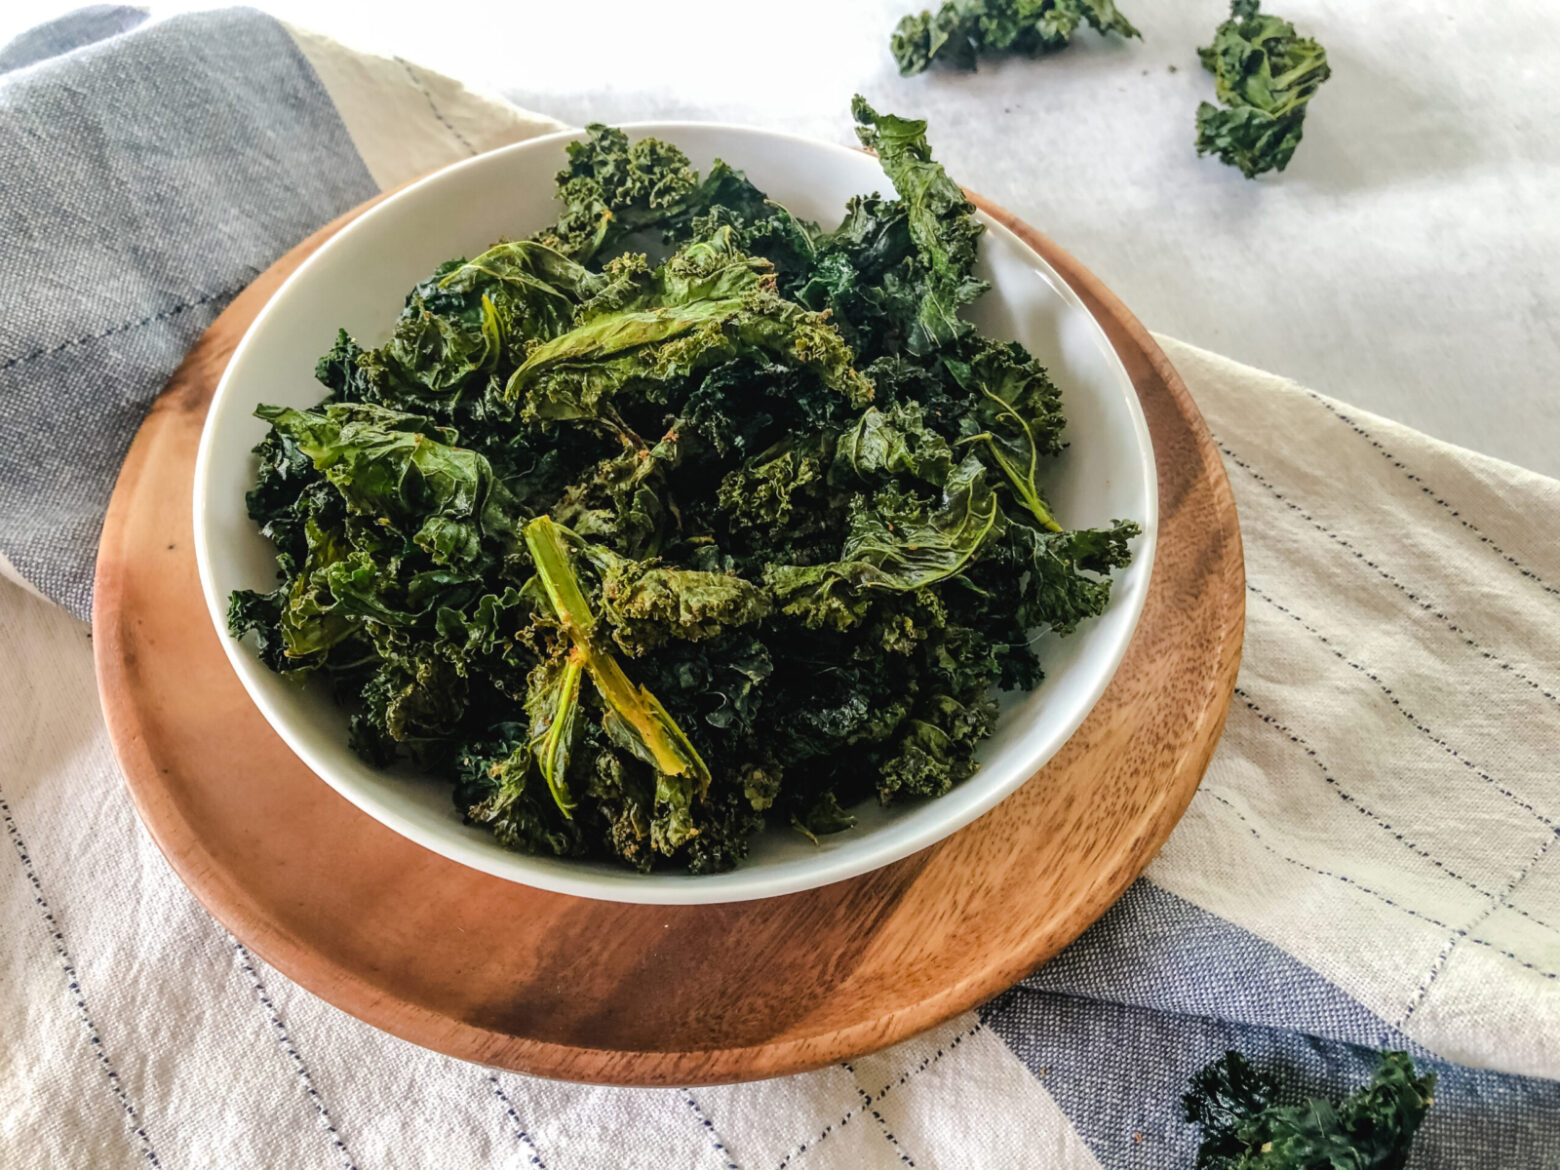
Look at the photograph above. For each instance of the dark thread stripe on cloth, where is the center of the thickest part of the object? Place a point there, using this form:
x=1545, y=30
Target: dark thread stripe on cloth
x=1353, y=801
x=1427, y=490
x=246, y=963
x=1364, y=889
x=1533, y=967
x=1451, y=943
x=888, y=1134
x=434, y=106
x=1386, y=576
x=174, y=311
x=1401, y=710
x=709, y=1128
x=883, y=1092
x=926, y=1062
x=520, y=1130
x=73, y=985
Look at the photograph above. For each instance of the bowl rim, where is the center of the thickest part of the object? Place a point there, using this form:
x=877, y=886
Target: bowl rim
x=740, y=884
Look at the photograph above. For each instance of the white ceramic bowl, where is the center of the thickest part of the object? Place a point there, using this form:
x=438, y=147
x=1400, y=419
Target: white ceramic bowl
x=358, y=280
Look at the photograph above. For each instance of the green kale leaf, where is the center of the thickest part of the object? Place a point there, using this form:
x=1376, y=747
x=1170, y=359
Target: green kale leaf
x=1266, y=75
x=1068, y=581
x=897, y=441
x=706, y=306
x=936, y=745
x=613, y=189
x=775, y=494
x=961, y=31
x=823, y=817
x=941, y=222
x=896, y=541
x=862, y=273
x=554, y=707
x=649, y=606
x=395, y=468
x=1019, y=413
x=497, y=786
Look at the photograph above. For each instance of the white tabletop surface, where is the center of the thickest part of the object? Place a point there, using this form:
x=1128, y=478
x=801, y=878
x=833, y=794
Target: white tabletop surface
x=1408, y=261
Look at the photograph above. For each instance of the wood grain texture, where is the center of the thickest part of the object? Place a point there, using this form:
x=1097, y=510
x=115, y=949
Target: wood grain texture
x=505, y=975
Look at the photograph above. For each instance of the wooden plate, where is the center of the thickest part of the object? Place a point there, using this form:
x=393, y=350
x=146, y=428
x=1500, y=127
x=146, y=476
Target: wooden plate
x=499, y=973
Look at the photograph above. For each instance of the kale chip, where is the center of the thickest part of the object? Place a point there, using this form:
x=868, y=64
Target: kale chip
x=961, y=31
x=1245, y=1129
x=640, y=557
x=1266, y=75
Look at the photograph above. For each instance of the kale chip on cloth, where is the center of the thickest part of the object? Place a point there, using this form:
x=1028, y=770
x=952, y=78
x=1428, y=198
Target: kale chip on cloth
x=961, y=31
x=1245, y=1127
x=640, y=557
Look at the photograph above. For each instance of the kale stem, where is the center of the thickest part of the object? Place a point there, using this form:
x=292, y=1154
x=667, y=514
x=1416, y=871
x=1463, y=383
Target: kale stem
x=1023, y=482
x=638, y=712
x=544, y=540
x=552, y=749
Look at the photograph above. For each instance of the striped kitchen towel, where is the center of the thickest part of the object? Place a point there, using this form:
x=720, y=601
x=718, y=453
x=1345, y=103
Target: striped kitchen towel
x=1369, y=863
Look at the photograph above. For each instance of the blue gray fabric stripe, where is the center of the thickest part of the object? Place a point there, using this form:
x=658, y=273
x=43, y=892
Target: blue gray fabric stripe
x=83, y=27
x=1156, y=951
x=1118, y=1072
x=146, y=179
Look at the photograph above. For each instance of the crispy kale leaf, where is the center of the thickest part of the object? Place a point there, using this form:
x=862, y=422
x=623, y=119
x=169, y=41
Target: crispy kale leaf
x=896, y=442
x=961, y=31
x=1266, y=75
x=613, y=189
x=706, y=306
x=553, y=704
x=400, y=468
x=1245, y=1129
x=1018, y=411
x=940, y=220
x=648, y=606
x=896, y=541
x=497, y=786
x=641, y=557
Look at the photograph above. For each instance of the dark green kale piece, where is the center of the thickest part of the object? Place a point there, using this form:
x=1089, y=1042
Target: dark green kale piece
x=496, y=786
x=962, y=31
x=940, y=221
x=1244, y=1128
x=1266, y=75
x=613, y=189
x=708, y=305
x=1014, y=418
x=895, y=541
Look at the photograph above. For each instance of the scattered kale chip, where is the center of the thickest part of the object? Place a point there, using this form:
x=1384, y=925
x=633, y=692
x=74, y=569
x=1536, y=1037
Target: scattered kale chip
x=1266, y=74
x=641, y=557
x=961, y=31
x=1245, y=1129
